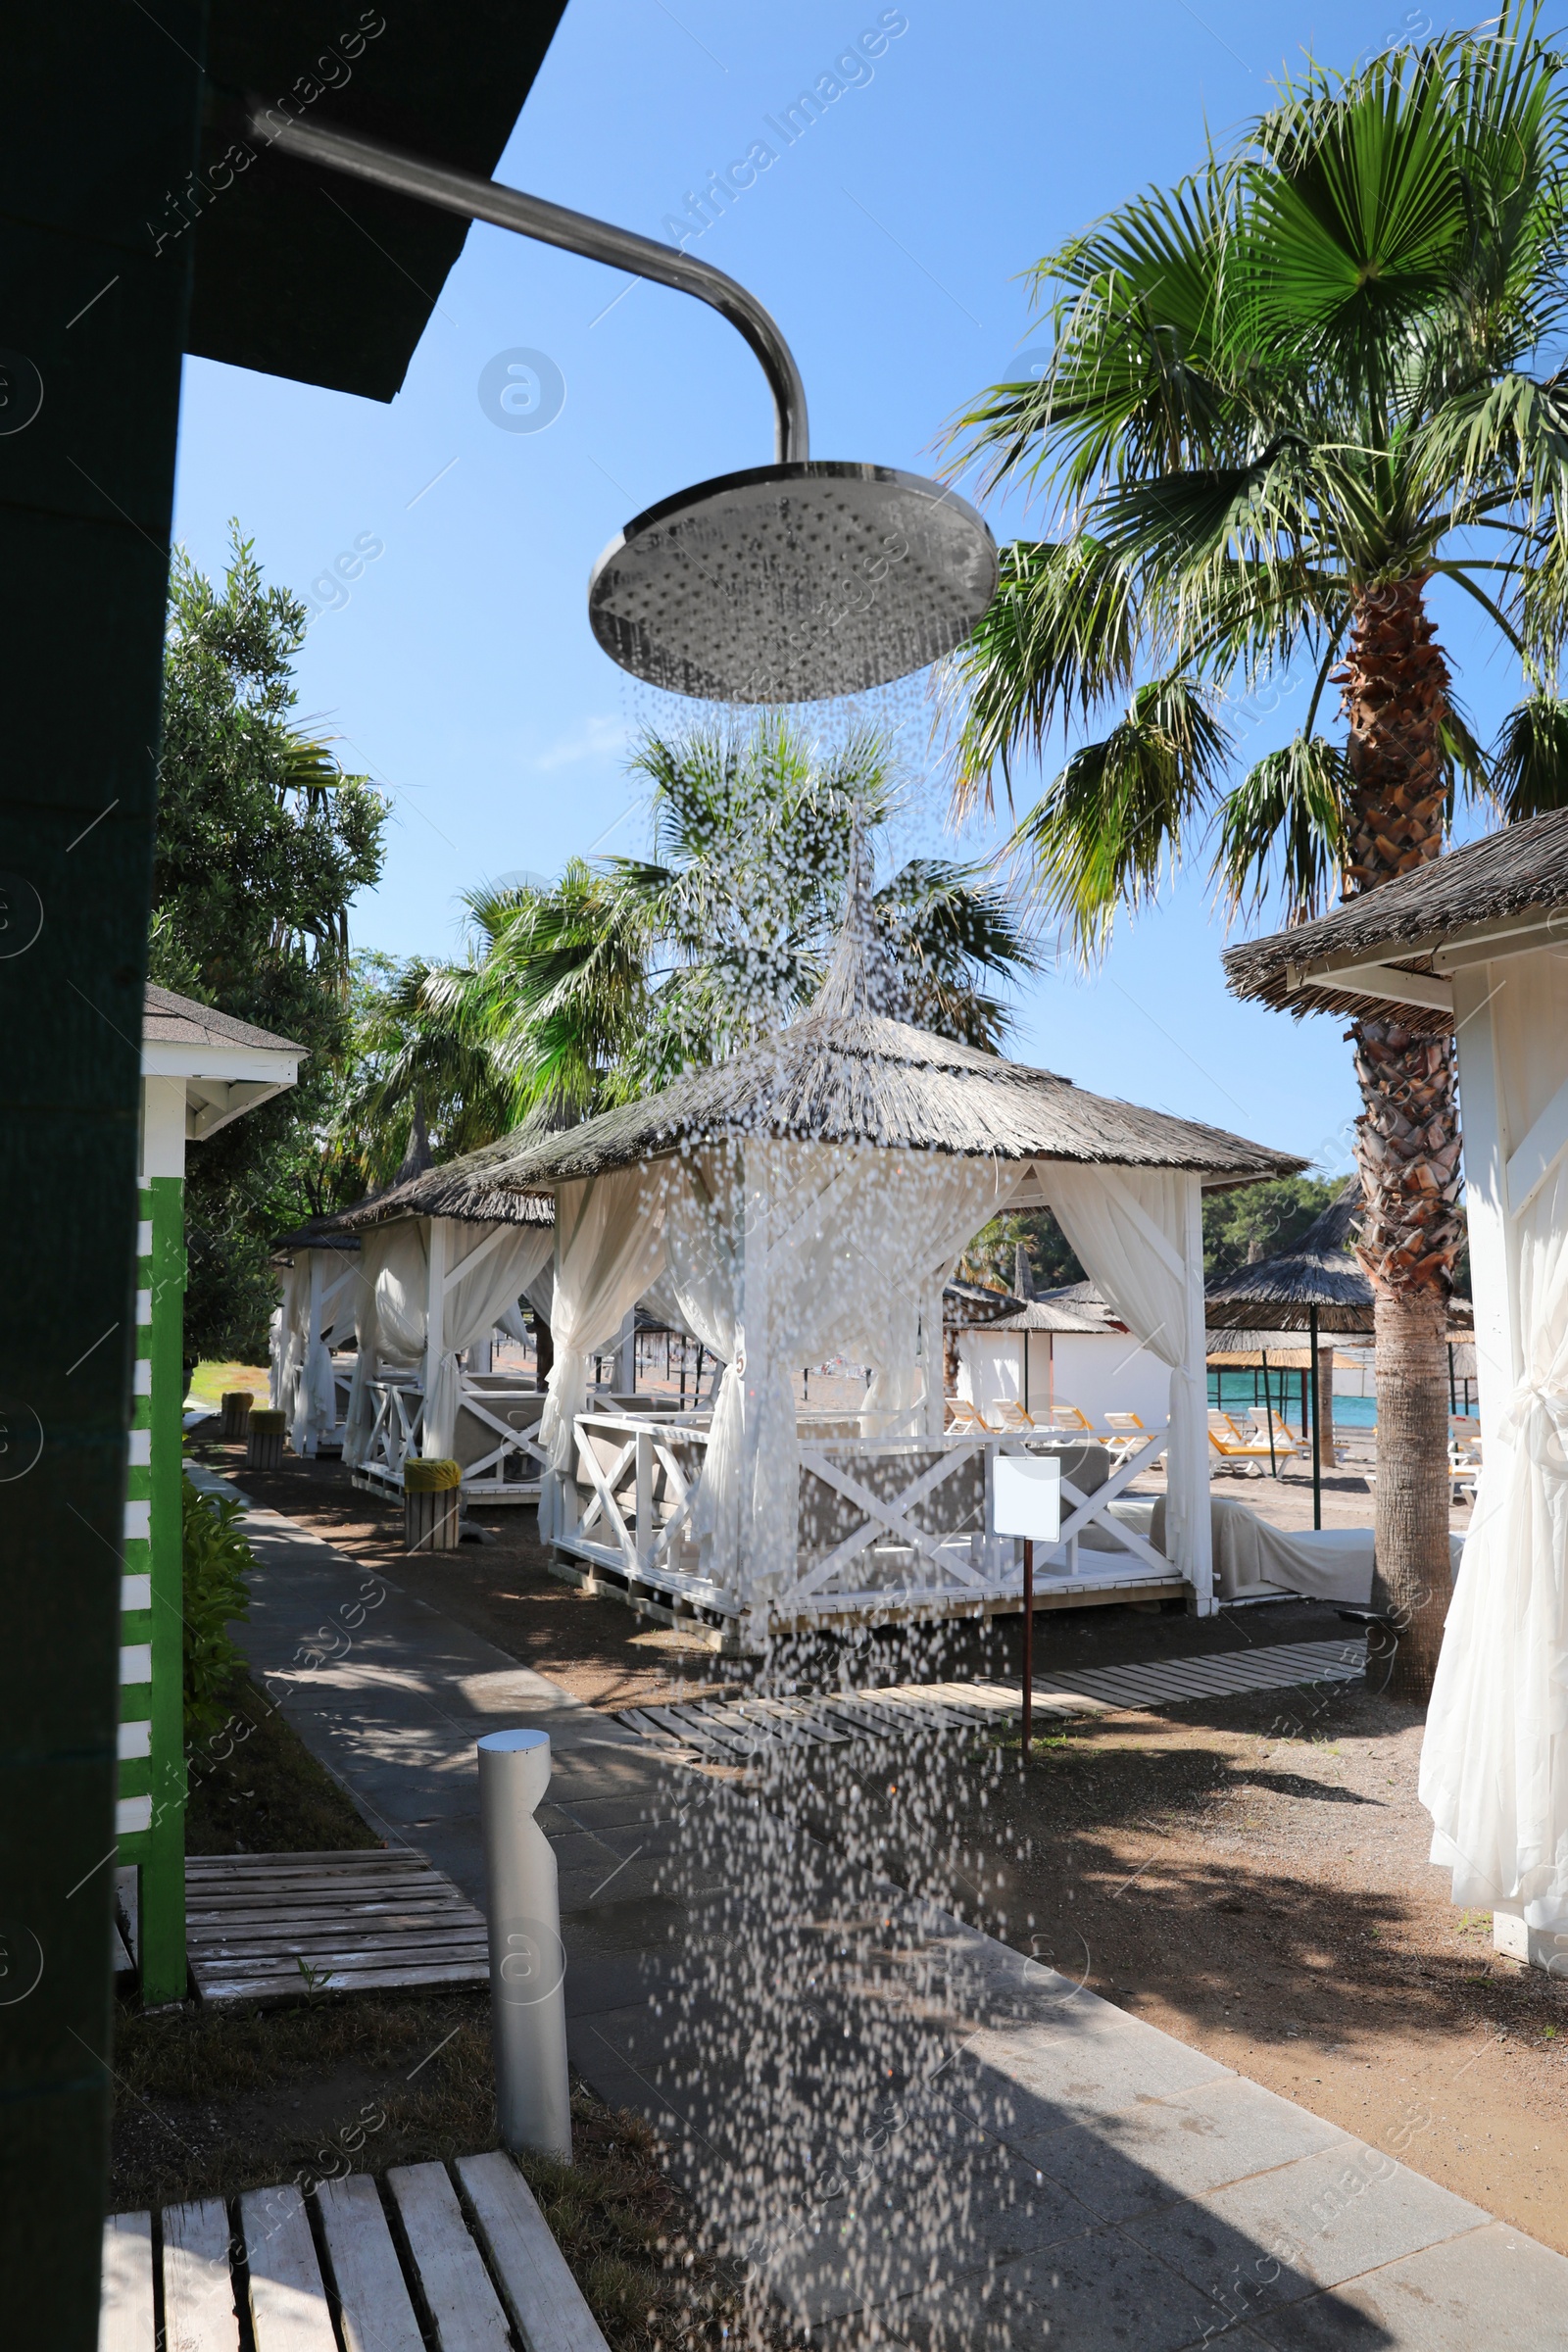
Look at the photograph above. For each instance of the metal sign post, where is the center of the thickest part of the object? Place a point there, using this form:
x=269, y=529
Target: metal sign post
x=1026, y=1502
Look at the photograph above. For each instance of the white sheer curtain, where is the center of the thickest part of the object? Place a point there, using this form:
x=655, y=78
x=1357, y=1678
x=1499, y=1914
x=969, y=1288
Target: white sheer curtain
x=608, y=1246
x=702, y=1278
x=285, y=1342
x=1495, y=1760
x=389, y=1303
x=392, y=1302
x=787, y=1253
x=857, y=1237
x=488, y=1267
x=311, y=1404
x=1132, y=1230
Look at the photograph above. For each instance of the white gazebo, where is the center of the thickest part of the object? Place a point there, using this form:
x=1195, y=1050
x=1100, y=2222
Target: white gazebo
x=1474, y=944
x=309, y=1374
x=809, y=1198
x=437, y=1269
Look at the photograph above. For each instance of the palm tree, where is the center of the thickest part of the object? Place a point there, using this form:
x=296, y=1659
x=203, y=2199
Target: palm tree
x=1284, y=398
x=408, y=1060
x=606, y=986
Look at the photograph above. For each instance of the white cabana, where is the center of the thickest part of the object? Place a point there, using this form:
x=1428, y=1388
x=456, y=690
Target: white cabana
x=1474, y=943
x=321, y=1274
x=810, y=1196
x=427, y=1291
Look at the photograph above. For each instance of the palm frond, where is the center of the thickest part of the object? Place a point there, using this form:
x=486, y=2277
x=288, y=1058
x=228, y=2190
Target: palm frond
x=1284, y=823
x=1131, y=385
x=1061, y=633
x=1530, y=759
x=1113, y=822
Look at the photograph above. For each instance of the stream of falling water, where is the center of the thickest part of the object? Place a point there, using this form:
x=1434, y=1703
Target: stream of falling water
x=841, y=2148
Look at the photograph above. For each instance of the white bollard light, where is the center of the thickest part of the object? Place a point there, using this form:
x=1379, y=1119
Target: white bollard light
x=527, y=1958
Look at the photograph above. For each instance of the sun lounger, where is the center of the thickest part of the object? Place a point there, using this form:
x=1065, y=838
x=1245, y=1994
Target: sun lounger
x=1067, y=1416
x=1125, y=1433
x=960, y=1415
x=1010, y=1415
x=1242, y=1453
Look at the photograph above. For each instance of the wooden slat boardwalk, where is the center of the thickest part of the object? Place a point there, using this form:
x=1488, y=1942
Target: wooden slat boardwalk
x=255, y=1925
x=461, y=2261
x=740, y=1731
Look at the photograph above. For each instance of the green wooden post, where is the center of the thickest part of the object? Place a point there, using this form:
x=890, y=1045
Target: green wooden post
x=149, y=1812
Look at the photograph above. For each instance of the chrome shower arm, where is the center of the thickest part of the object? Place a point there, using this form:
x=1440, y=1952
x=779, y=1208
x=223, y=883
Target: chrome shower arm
x=553, y=224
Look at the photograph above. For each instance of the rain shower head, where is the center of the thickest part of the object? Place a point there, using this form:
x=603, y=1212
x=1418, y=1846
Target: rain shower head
x=788, y=583
x=792, y=583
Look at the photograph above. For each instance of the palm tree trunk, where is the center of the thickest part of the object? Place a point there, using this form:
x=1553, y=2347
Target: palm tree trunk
x=1395, y=685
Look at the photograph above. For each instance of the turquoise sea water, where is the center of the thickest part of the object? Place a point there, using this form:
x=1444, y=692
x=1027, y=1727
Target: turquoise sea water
x=1234, y=1390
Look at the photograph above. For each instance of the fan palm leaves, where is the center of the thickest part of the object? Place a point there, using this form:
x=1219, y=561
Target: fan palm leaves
x=608, y=983
x=1283, y=399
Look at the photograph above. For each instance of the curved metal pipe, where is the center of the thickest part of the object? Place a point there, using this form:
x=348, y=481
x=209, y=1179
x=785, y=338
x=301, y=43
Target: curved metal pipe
x=553, y=224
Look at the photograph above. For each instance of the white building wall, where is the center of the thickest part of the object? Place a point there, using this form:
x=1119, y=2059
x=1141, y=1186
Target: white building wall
x=1100, y=1373
x=1109, y=1373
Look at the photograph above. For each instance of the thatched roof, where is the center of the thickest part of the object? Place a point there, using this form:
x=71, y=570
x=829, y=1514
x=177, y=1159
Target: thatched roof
x=1276, y=1295
x=1045, y=1314
x=1510, y=875
x=317, y=1232
x=855, y=1078
x=845, y=1071
x=342, y=1231
x=459, y=1189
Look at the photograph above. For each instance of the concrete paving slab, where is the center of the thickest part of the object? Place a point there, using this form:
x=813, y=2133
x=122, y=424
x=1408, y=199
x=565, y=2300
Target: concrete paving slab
x=1092, y=2060
x=1100, y=2292
x=1493, y=2285
x=929, y=2206
x=1162, y=2151
x=1312, y=2224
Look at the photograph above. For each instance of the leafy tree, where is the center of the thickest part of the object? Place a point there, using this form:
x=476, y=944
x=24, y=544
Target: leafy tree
x=261, y=843
x=607, y=985
x=993, y=1256
x=406, y=1055
x=1260, y=1220
x=1284, y=398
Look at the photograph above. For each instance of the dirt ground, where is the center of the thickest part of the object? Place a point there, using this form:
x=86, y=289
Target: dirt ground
x=1248, y=1874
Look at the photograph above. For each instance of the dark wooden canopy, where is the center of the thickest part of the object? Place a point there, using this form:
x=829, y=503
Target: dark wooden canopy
x=302, y=273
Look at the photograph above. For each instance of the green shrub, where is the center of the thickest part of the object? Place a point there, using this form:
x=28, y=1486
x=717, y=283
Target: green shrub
x=215, y=1557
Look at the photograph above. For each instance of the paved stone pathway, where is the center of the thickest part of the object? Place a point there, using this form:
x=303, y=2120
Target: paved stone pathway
x=914, y=2135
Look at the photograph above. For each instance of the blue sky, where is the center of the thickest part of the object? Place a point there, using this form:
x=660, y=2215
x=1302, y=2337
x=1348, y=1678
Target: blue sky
x=888, y=242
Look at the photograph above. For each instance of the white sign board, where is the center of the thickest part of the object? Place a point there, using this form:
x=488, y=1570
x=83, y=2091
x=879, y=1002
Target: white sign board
x=1026, y=1496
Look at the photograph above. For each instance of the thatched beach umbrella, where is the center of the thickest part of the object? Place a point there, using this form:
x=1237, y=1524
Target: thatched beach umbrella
x=1317, y=1285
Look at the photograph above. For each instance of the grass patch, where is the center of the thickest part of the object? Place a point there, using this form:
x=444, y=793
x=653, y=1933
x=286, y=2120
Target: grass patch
x=207, y=2103
x=209, y=1380
x=256, y=1789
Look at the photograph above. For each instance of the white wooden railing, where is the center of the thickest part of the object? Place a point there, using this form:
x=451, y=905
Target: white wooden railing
x=505, y=1471
x=909, y=1518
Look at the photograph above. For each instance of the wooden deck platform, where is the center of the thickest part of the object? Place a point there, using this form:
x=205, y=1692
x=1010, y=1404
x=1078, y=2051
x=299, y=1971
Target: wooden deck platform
x=274, y=1928
x=469, y=2267
x=738, y=1730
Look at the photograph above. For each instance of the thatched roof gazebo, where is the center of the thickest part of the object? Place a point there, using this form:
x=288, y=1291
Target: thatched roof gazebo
x=1473, y=943
x=415, y=1290
x=810, y=1196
